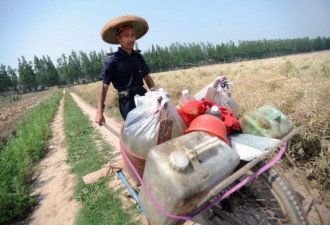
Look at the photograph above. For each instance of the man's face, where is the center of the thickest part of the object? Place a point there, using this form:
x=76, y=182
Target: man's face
x=127, y=38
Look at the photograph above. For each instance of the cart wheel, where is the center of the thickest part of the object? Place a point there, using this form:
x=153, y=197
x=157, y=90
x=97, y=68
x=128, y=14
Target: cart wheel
x=266, y=200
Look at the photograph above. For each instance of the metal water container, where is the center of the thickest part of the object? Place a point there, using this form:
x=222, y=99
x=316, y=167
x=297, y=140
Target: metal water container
x=179, y=173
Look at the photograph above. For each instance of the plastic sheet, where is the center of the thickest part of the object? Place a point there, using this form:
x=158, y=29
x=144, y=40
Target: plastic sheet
x=250, y=146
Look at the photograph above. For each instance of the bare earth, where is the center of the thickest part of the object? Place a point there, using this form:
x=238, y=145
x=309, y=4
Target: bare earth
x=55, y=183
x=15, y=112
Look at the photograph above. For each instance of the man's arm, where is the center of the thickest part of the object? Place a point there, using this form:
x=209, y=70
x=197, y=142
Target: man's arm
x=99, y=118
x=150, y=83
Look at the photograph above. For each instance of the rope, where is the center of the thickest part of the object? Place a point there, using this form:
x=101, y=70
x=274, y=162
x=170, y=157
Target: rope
x=216, y=201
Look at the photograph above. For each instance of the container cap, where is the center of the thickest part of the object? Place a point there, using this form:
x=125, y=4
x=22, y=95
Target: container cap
x=215, y=108
x=178, y=161
x=210, y=124
x=185, y=91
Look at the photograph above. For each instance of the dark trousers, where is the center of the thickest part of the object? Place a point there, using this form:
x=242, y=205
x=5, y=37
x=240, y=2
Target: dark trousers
x=126, y=104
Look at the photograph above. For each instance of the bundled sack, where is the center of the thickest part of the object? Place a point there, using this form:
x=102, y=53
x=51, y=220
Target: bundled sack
x=266, y=121
x=195, y=108
x=141, y=129
x=218, y=91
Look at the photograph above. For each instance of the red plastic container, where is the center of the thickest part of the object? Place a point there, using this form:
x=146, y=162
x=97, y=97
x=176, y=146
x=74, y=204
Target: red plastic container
x=209, y=124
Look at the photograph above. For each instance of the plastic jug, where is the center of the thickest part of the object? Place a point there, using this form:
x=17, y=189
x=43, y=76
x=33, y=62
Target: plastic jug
x=185, y=98
x=266, y=121
x=214, y=111
x=181, y=171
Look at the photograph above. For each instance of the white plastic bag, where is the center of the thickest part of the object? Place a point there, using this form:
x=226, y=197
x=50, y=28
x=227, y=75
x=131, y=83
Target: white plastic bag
x=226, y=101
x=223, y=96
x=140, y=132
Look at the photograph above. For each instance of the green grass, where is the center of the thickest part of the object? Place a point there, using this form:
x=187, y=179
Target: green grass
x=100, y=204
x=18, y=157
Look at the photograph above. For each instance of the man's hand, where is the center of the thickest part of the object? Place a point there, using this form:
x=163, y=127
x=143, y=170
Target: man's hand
x=99, y=118
x=154, y=88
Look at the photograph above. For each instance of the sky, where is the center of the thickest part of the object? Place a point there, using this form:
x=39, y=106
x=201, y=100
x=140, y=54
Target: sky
x=39, y=27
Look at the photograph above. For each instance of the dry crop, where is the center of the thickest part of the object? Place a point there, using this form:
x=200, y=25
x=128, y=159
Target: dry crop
x=298, y=85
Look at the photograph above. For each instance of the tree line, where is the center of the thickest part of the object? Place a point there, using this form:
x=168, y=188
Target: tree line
x=79, y=66
x=178, y=56
x=41, y=73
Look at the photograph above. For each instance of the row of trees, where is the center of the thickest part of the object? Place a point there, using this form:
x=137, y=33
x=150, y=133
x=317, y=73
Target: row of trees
x=29, y=76
x=80, y=65
x=184, y=55
x=42, y=73
x=38, y=75
x=8, y=77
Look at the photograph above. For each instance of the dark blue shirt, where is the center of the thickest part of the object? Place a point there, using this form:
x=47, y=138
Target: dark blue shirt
x=125, y=70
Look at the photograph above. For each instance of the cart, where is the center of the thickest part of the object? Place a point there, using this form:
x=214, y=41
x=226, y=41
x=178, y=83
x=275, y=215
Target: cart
x=255, y=193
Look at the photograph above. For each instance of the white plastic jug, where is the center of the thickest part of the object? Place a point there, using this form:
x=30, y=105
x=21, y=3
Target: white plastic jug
x=181, y=171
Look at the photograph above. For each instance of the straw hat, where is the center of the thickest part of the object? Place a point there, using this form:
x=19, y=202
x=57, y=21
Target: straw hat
x=139, y=24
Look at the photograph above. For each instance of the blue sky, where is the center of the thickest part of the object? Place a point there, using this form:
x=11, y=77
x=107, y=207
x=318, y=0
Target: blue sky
x=40, y=27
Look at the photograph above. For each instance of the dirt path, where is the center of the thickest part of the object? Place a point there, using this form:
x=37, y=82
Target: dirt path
x=114, y=141
x=55, y=183
x=319, y=204
x=91, y=112
x=109, y=137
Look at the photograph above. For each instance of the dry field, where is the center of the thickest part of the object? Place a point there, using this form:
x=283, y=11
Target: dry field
x=298, y=85
x=14, y=112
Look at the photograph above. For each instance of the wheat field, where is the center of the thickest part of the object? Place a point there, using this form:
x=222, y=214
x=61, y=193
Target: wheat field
x=298, y=85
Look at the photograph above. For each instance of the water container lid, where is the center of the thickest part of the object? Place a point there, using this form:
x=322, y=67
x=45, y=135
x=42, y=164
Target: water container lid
x=210, y=124
x=185, y=91
x=215, y=108
x=178, y=161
